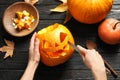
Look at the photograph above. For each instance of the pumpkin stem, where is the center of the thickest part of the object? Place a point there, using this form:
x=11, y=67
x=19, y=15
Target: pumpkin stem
x=116, y=24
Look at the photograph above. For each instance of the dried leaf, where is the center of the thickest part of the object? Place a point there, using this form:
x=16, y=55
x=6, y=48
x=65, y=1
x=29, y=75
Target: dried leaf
x=64, y=1
x=61, y=8
x=68, y=17
x=9, y=43
x=31, y=1
x=8, y=49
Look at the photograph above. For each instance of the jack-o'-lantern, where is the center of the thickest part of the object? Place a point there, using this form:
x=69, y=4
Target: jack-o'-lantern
x=54, y=47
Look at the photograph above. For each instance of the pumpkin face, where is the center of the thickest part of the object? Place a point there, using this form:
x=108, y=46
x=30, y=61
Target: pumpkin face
x=89, y=11
x=54, y=47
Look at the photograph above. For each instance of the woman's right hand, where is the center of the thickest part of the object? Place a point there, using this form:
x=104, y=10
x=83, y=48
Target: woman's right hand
x=93, y=60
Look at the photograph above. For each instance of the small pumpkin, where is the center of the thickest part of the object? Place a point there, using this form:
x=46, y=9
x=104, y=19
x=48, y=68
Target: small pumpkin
x=54, y=47
x=89, y=11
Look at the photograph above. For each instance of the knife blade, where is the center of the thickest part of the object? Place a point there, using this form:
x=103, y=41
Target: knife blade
x=74, y=46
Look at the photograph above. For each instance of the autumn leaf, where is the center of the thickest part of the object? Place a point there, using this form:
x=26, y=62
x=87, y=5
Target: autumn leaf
x=31, y=1
x=9, y=48
x=67, y=17
x=64, y=1
x=61, y=8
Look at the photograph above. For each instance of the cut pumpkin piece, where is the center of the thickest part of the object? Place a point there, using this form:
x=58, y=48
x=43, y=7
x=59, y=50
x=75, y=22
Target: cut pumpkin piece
x=54, y=47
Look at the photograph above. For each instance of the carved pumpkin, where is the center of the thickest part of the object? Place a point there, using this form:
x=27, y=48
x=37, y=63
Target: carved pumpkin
x=89, y=11
x=54, y=47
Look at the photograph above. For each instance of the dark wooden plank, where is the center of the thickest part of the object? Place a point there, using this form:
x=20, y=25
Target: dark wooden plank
x=10, y=74
x=44, y=12
x=116, y=2
x=40, y=2
x=67, y=75
x=52, y=75
x=43, y=2
x=19, y=61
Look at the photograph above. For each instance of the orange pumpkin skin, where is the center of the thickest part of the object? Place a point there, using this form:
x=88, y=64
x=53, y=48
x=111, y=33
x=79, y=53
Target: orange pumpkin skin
x=54, y=47
x=89, y=11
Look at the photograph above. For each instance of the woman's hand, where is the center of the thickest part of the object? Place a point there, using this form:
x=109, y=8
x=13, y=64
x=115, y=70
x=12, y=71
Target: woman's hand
x=93, y=60
x=34, y=54
x=34, y=59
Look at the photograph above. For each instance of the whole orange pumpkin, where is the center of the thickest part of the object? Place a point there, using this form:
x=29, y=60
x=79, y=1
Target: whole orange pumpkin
x=89, y=11
x=54, y=47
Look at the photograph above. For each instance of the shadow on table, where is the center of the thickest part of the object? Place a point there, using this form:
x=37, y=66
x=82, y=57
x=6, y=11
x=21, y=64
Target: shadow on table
x=50, y=73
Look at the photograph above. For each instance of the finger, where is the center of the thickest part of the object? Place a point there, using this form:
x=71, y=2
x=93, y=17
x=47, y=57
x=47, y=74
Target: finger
x=32, y=40
x=82, y=50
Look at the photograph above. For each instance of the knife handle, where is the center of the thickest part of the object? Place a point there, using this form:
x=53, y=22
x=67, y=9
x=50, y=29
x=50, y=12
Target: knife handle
x=113, y=72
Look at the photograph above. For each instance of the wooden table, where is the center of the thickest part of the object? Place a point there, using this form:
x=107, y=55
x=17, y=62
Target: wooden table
x=73, y=69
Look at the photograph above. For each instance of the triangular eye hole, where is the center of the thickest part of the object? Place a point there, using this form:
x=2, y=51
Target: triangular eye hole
x=62, y=36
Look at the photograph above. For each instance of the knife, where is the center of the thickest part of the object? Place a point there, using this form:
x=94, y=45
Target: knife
x=114, y=73
x=74, y=46
x=92, y=45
